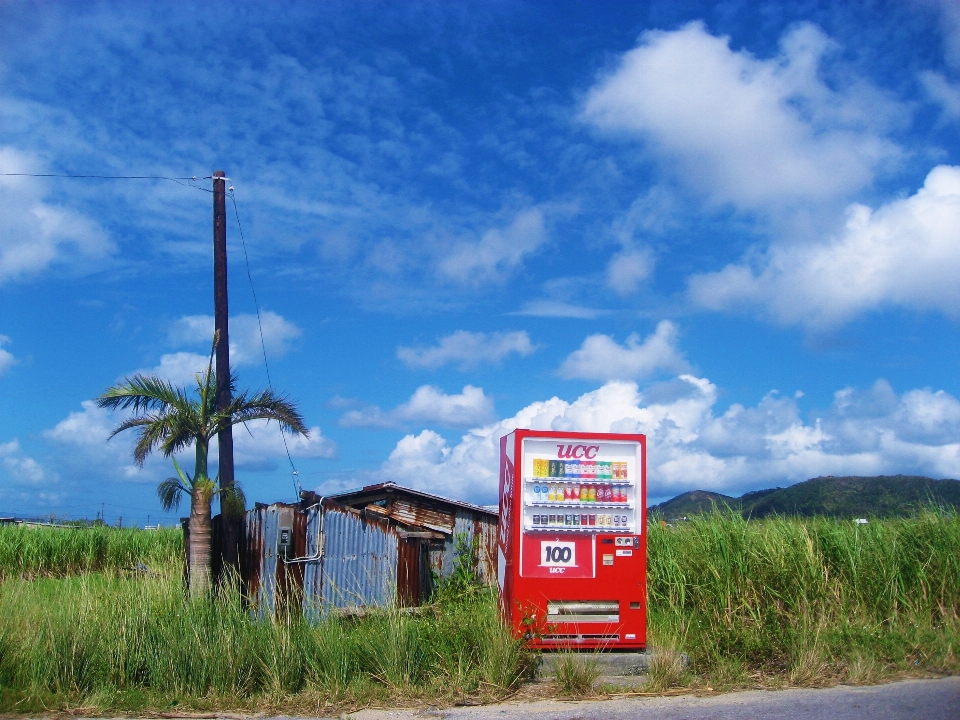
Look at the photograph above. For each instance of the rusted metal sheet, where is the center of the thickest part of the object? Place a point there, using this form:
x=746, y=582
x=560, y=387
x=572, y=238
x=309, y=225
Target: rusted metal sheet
x=312, y=565
x=273, y=585
x=359, y=565
x=475, y=529
x=416, y=513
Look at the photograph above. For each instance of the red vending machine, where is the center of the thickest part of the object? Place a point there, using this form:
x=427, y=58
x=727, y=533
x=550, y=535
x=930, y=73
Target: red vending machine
x=572, y=552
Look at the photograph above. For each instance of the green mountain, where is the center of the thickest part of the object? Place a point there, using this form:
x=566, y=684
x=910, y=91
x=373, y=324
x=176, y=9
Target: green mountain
x=882, y=496
x=693, y=502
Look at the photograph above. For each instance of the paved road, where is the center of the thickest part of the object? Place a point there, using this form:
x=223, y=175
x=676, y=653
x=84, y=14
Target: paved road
x=921, y=699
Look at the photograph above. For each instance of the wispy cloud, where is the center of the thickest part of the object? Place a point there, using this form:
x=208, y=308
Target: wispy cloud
x=428, y=405
x=468, y=350
x=558, y=309
x=36, y=234
x=7, y=360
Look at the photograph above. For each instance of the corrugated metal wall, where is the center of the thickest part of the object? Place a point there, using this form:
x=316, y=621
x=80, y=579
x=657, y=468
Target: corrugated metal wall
x=343, y=559
x=359, y=566
x=443, y=556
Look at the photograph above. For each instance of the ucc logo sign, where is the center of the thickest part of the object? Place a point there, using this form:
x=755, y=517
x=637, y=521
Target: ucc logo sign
x=587, y=452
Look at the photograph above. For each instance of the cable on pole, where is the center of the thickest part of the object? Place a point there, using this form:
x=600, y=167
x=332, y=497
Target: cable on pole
x=263, y=346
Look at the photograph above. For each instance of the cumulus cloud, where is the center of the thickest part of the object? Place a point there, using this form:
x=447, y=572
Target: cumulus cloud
x=245, y=349
x=497, y=252
x=21, y=469
x=468, y=350
x=864, y=432
x=258, y=445
x=7, y=360
x=36, y=234
x=428, y=404
x=906, y=253
x=756, y=133
x=600, y=357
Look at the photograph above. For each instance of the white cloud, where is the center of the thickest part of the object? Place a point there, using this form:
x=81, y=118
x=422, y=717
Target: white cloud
x=906, y=253
x=7, y=360
x=757, y=133
x=558, y=309
x=600, y=357
x=178, y=368
x=245, y=348
x=88, y=430
x=865, y=432
x=628, y=269
x=20, y=469
x=950, y=29
x=36, y=234
x=943, y=92
x=258, y=445
x=498, y=252
x=428, y=404
x=468, y=349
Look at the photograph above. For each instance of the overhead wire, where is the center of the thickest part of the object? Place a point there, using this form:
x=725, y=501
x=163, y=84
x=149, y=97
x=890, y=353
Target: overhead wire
x=107, y=177
x=263, y=345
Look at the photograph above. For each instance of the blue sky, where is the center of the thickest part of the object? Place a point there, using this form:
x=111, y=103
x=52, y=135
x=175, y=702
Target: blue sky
x=732, y=226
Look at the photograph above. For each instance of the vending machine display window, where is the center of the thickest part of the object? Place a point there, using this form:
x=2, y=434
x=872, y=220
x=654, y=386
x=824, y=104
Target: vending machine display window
x=571, y=546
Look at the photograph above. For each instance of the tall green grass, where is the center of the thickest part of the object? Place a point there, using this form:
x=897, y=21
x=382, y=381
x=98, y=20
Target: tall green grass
x=96, y=638
x=806, y=599
x=795, y=601
x=30, y=551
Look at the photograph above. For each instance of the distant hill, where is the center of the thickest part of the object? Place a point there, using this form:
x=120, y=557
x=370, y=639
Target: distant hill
x=695, y=501
x=882, y=496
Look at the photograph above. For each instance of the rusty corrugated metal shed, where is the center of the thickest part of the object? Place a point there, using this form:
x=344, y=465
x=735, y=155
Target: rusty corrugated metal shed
x=348, y=558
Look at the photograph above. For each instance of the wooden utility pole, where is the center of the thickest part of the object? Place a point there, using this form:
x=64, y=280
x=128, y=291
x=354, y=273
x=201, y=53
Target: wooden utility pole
x=221, y=322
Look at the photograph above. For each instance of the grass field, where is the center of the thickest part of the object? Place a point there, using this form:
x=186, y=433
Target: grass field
x=769, y=603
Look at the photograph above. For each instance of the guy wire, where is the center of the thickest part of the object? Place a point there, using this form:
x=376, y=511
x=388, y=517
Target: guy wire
x=263, y=346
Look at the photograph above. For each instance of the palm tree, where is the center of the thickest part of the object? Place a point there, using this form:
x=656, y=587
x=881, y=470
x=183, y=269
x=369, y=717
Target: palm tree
x=168, y=419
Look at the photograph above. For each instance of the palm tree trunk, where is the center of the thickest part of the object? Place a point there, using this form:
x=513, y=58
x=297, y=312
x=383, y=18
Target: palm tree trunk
x=199, y=541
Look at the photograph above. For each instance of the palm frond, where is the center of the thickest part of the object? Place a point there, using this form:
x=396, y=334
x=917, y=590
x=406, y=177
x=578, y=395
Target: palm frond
x=265, y=405
x=141, y=393
x=154, y=430
x=170, y=491
x=232, y=499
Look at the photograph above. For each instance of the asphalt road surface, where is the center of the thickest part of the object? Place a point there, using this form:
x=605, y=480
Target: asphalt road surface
x=921, y=699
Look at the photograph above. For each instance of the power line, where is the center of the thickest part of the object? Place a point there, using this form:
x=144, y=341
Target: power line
x=263, y=345
x=185, y=181
x=106, y=177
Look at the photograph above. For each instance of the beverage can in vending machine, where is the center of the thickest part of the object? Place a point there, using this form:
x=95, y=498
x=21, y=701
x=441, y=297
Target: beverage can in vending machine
x=593, y=494
x=584, y=519
x=592, y=519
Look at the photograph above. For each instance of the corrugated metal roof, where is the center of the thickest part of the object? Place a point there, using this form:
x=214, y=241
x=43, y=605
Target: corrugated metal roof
x=353, y=496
